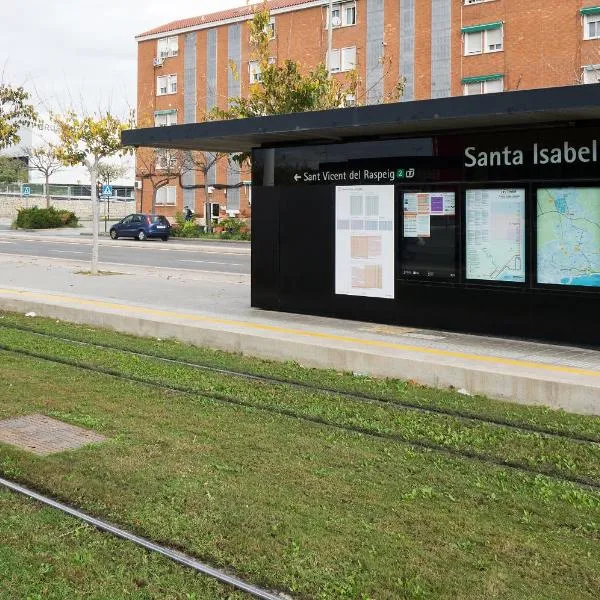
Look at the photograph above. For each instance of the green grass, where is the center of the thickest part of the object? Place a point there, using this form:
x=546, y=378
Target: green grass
x=45, y=554
x=310, y=509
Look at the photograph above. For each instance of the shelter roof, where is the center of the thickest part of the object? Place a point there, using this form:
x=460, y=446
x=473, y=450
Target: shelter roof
x=403, y=119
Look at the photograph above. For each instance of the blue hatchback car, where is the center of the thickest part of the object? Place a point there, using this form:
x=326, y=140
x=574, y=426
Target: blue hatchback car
x=142, y=227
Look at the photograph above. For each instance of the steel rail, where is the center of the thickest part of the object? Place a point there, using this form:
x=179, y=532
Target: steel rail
x=431, y=446
x=178, y=557
x=359, y=396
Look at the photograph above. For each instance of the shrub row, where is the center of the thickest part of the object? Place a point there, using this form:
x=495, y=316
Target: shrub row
x=44, y=218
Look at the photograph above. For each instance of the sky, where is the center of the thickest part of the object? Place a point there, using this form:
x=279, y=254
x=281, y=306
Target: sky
x=82, y=53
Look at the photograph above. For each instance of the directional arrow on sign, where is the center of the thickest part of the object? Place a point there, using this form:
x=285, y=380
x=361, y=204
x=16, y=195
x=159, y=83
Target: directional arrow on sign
x=297, y=177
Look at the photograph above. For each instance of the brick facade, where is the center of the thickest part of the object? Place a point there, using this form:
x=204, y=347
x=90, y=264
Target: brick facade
x=542, y=45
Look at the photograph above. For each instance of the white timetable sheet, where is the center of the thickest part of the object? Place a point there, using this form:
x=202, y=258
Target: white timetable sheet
x=364, y=240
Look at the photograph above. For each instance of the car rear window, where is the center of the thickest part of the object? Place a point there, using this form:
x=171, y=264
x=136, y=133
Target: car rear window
x=158, y=219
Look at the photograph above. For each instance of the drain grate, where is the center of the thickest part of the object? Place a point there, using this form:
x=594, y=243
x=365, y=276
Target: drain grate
x=42, y=435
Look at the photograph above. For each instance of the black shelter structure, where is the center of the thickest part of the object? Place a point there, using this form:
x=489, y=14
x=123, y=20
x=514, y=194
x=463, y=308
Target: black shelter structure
x=478, y=214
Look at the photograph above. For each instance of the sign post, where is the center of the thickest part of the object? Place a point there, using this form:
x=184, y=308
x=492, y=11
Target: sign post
x=106, y=192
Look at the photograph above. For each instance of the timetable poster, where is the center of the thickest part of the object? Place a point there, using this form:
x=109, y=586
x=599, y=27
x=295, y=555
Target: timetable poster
x=364, y=240
x=495, y=232
x=428, y=245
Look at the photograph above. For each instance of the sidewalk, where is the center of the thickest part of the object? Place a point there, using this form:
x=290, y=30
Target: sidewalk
x=214, y=311
x=85, y=233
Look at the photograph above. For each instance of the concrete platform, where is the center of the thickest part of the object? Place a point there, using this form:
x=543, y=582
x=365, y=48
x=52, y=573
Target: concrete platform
x=203, y=311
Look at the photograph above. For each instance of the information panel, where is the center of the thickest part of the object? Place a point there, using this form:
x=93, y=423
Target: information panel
x=495, y=234
x=568, y=236
x=429, y=235
x=364, y=240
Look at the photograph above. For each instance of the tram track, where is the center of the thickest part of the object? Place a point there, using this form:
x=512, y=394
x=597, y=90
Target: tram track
x=356, y=396
x=221, y=575
x=481, y=457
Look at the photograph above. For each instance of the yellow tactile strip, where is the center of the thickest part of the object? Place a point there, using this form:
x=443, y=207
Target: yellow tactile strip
x=156, y=312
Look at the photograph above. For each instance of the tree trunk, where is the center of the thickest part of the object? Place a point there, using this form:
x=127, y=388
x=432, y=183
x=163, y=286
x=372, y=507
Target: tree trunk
x=95, y=217
x=153, y=207
x=47, y=190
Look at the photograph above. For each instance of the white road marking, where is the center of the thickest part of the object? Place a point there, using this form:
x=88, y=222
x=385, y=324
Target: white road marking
x=211, y=262
x=67, y=251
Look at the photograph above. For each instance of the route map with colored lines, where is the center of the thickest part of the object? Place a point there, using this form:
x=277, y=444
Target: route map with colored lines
x=568, y=236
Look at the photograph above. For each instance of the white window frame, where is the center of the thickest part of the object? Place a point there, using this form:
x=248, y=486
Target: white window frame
x=587, y=20
x=169, y=87
x=591, y=74
x=167, y=47
x=270, y=28
x=483, y=47
x=165, y=160
x=254, y=72
x=484, y=87
x=468, y=2
x=341, y=10
x=168, y=197
x=165, y=118
x=341, y=59
x=348, y=58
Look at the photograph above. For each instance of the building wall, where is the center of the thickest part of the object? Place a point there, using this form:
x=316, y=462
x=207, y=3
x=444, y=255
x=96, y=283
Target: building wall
x=421, y=40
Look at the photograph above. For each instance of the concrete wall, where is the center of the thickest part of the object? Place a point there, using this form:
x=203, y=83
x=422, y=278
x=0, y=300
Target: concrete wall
x=9, y=205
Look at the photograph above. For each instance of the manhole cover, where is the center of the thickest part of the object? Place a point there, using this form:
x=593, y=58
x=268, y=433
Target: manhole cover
x=42, y=435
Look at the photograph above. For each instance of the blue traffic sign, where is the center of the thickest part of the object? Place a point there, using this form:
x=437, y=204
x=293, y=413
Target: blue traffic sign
x=26, y=190
x=107, y=190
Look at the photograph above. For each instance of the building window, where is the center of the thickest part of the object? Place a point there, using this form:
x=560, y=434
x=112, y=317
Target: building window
x=166, y=195
x=483, y=38
x=270, y=28
x=254, y=69
x=163, y=118
x=168, y=46
x=343, y=14
x=349, y=58
x=591, y=74
x=165, y=159
x=342, y=60
x=467, y=2
x=483, y=86
x=167, y=84
x=591, y=26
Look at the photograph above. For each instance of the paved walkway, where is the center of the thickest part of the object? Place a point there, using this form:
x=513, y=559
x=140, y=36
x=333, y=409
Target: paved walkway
x=213, y=311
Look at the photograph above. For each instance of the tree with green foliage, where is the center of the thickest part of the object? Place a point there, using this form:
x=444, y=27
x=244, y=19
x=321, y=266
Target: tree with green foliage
x=15, y=112
x=86, y=141
x=12, y=170
x=284, y=88
x=44, y=160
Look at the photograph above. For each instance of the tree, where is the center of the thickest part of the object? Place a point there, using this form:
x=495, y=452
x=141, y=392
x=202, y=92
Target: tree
x=284, y=88
x=202, y=162
x=12, y=170
x=158, y=167
x=108, y=172
x=45, y=160
x=86, y=141
x=15, y=112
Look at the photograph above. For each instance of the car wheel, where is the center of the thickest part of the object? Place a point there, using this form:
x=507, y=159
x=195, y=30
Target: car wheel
x=165, y=238
x=113, y=234
x=141, y=235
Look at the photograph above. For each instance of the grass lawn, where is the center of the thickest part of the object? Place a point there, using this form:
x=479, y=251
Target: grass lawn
x=310, y=509
x=45, y=554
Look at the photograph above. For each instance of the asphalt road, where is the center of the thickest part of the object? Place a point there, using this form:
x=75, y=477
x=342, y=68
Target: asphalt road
x=152, y=253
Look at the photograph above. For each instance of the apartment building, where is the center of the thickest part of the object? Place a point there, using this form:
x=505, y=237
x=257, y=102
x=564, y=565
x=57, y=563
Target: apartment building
x=440, y=47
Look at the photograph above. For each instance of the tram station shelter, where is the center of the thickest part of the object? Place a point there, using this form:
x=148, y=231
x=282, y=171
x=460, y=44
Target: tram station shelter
x=478, y=214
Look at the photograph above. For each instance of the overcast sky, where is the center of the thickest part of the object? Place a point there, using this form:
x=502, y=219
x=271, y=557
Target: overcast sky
x=83, y=52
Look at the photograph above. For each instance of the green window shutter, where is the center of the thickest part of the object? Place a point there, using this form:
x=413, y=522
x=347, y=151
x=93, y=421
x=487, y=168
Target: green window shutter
x=592, y=10
x=481, y=78
x=476, y=28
